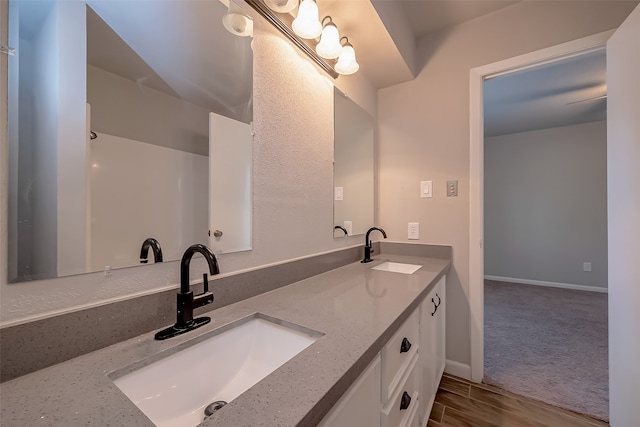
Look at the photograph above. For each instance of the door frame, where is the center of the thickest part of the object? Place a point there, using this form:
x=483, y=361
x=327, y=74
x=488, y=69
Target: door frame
x=476, y=171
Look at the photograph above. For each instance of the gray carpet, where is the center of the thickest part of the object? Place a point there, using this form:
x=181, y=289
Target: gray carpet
x=548, y=344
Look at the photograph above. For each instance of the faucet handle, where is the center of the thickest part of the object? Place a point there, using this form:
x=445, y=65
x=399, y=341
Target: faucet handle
x=205, y=282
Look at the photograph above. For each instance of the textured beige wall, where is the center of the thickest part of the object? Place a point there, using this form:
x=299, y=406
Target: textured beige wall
x=292, y=183
x=424, y=128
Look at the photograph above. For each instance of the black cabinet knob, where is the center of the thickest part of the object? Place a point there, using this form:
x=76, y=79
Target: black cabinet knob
x=405, y=346
x=405, y=401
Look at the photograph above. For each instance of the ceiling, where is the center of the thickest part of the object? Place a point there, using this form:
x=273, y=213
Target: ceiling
x=561, y=93
x=537, y=98
x=165, y=45
x=428, y=16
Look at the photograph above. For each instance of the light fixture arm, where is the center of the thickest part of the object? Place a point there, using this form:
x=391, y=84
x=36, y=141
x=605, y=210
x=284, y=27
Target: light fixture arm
x=273, y=18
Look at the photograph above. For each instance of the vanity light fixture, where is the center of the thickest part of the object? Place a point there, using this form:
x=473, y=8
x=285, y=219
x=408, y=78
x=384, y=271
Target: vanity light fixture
x=329, y=53
x=236, y=22
x=347, y=63
x=282, y=6
x=329, y=46
x=307, y=24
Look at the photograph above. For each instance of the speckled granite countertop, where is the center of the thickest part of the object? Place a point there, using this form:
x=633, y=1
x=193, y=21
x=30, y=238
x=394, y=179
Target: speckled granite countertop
x=357, y=309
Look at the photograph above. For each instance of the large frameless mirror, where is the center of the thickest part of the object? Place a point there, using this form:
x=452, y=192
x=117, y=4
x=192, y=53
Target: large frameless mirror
x=123, y=116
x=353, y=167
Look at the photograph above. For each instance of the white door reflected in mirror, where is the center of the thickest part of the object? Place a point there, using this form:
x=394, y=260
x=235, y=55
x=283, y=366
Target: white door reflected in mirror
x=230, y=153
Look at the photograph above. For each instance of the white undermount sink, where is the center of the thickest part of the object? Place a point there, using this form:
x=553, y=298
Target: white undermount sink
x=397, y=267
x=174, y=390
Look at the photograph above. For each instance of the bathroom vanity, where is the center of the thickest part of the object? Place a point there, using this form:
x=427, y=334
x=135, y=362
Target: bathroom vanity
x=377, y=351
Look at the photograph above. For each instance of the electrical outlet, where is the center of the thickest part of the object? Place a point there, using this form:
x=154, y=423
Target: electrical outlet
x=414, y=231
x=586, y=266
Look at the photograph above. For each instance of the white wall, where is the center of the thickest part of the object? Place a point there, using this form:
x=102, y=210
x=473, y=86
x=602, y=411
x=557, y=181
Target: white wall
x=623, y=157
x=545, y=205
x=424, y=128
x=138, y=191
x=292, y=185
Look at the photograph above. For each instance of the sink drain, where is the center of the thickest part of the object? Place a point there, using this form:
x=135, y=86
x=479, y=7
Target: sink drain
x=211, y=408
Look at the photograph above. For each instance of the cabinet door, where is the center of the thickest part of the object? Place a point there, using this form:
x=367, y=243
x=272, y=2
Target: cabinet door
x=360, y=405
x=439, y=348
x=432, y=345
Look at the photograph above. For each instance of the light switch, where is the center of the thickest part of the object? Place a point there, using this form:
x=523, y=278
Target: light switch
x=339, y=193
x=426, y=188
x=414, y=231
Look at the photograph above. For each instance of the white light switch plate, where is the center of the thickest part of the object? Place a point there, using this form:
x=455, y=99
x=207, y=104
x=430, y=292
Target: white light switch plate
x=426, y=188
x=414, y=231
x=339, y=193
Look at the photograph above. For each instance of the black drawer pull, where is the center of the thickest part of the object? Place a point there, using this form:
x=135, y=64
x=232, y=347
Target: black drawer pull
x=435, y=306
x=405, y=346
x=405, y=401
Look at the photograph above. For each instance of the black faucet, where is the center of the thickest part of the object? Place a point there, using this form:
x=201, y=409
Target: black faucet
x=155, y=247
x=367, y=243
x=339, y=227
x=186, y=301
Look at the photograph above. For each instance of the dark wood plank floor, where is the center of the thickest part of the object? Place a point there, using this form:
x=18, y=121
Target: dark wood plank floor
x=460, y=403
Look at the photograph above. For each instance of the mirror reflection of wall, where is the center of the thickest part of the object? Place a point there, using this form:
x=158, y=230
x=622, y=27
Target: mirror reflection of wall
x=353, y=171
x=142, y=76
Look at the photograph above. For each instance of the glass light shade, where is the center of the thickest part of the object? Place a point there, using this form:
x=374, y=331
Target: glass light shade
x=307, y=25
x=238, y=24
x=347, y=63
x=282, y=6
x=329, y=46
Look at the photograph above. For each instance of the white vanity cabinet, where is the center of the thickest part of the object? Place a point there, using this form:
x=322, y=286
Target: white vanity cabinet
x=398, y=388
x=432, y=345
x=359, y=405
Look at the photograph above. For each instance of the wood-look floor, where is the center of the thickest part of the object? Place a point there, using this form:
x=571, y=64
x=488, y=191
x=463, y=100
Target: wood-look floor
x=460, y=403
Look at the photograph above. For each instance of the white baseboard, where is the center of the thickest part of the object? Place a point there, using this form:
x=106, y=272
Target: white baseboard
x=458, y=369
x=548, y=284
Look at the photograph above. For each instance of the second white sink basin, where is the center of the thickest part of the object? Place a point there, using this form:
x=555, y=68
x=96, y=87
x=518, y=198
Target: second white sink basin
x=174, y=390
x=397, y=267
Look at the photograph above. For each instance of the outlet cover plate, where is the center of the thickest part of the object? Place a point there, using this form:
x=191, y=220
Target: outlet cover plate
x=414, y=231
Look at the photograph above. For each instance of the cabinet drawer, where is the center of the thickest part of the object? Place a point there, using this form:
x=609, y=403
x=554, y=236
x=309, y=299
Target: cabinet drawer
x=394, y=357
x=393, y=414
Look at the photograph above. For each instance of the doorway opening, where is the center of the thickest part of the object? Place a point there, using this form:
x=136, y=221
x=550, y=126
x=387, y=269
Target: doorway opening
x=478, y=76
